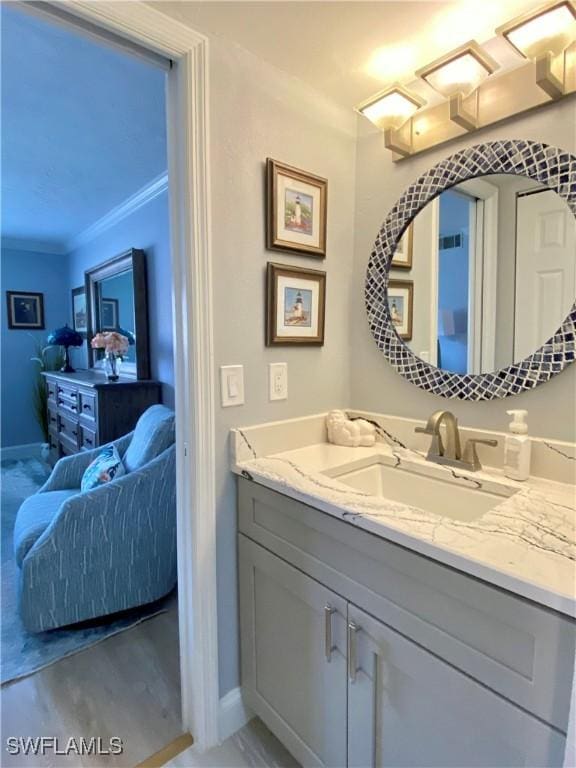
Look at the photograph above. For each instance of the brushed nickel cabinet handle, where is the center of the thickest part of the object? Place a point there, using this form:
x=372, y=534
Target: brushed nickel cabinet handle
x=352, y=632
x=328, y=611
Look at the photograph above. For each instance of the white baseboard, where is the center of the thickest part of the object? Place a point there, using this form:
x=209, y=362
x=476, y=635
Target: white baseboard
x=232, y=714
x=15, y=452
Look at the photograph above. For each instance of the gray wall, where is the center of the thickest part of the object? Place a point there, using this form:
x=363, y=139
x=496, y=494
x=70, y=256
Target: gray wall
x=259, y=112
x=379, y=182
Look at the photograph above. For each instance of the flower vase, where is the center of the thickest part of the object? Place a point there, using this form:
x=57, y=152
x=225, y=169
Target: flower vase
x=112, y=366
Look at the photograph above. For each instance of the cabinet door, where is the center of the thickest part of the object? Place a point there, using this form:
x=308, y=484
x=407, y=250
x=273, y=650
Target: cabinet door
x=406, y=707
x=293, y=644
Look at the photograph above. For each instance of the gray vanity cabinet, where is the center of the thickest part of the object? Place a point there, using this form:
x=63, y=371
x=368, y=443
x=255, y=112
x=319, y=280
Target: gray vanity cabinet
x=408, y=708
x=294, y=656
x=357, y=652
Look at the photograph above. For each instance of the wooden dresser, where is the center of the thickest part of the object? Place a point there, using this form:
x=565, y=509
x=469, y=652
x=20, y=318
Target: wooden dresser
x=85, y=410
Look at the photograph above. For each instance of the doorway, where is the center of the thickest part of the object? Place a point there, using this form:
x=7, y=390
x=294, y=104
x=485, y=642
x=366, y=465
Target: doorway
x=545, y=268
x=147, y=32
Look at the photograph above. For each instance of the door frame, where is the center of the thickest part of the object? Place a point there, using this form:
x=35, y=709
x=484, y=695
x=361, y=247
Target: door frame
x=135, y=25
x=484, y=275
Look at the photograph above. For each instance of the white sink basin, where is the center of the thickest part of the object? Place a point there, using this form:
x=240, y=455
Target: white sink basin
x=448, y=498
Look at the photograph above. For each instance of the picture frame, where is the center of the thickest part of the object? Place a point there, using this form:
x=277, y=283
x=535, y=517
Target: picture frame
x=79, y=311
x=401, y=306
x=109, y=309
x=295, y=305
x=296, y=210
x=402, y=258
x=25, y=310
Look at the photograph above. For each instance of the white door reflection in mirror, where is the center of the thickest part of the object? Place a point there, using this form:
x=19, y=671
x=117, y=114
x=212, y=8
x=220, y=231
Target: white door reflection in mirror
x=545, y=268
x=493, y=273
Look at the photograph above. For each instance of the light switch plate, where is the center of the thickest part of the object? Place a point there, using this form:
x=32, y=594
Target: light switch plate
x=278, y=381
x=232, y=385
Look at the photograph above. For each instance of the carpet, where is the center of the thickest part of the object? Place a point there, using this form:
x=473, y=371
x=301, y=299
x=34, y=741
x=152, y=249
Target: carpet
x=21, y=652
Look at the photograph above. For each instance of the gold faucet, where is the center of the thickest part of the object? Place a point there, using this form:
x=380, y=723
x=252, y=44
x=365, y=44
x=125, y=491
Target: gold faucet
x=451, y=453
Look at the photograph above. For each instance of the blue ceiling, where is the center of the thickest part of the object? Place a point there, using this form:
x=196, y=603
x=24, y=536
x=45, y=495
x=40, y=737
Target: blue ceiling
x=83, y=128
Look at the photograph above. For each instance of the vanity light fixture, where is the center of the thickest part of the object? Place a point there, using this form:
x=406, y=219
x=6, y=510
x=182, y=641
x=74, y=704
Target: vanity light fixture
x=390, y=108
x=460, y=71
x=457, y=76
x=543, y=35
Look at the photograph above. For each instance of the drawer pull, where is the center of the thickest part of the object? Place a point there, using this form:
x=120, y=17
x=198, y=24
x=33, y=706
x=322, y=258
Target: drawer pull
x=88, y=441
x=66, y=404
x=352, y=665
x=67, y=392
x=328, y=611
x=87, y=407
x=75, y=433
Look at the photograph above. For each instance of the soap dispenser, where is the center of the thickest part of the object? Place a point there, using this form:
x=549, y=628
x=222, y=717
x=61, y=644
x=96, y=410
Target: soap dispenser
x=517, y=447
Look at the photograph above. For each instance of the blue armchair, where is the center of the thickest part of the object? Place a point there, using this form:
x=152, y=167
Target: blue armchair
x=84, y=555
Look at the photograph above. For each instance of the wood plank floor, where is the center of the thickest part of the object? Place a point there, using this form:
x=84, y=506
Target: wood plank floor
x=127, y=686
x=252, y=747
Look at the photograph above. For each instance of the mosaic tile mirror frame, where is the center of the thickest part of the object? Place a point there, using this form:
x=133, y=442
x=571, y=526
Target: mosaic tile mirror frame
x=549, y=165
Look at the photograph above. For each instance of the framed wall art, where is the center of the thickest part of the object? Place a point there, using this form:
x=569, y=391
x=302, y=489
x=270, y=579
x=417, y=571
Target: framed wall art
x=25, y=310
x=109, y=310
x=295, y=304
x=402, y=258
x=401, y=306
x=296, y=210
x=79, y=314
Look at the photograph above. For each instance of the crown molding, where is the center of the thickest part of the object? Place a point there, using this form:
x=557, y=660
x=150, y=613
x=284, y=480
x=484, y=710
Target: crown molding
x=33, y=246
x=140, y=198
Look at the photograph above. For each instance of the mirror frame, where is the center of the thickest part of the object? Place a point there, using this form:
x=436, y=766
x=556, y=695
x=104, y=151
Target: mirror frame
x=134, y=259
x=550, y=166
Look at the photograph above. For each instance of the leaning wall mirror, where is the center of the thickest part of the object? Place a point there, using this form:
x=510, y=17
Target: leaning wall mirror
x=117, y=301
x=471, y=284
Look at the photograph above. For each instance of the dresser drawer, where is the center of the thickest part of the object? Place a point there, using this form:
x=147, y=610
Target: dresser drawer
x=87, y=438
x=87, y=405
x=67, y=447
x=517, y=648
x=67, y=405
x=68, y=391
x=69, y=429
x=52, y=419
x=52, y=389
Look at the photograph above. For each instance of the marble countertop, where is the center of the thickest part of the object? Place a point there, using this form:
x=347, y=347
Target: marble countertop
x=524, y=544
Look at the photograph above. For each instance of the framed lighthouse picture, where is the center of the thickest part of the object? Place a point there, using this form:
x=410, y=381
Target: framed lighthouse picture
x=296, y=210
x=295, y=305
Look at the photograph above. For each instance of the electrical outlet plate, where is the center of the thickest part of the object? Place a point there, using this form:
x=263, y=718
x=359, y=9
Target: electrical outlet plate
x=278, y=381
x=232, y=385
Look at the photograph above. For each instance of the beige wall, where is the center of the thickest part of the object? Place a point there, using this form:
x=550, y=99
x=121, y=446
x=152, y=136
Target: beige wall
x=379, y=182
x=258, y=112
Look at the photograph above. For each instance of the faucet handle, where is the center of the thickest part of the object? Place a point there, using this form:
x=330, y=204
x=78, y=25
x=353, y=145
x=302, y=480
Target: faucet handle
x=436, y=446
x=470, y=456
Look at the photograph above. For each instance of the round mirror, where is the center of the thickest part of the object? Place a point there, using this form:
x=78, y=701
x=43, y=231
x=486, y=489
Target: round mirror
x=471, y=284
x=485, y=274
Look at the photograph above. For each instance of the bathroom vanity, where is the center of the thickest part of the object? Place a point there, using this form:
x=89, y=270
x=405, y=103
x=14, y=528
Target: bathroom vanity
x=376, y=632
x=403, y=612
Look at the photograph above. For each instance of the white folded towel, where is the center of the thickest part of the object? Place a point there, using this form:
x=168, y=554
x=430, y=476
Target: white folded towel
x=344, y=431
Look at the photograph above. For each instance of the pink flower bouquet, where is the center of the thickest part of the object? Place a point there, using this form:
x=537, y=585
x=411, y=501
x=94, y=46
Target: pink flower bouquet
x=112, y=342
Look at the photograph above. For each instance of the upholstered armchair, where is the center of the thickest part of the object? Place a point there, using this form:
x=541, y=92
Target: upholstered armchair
x=84, y=555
